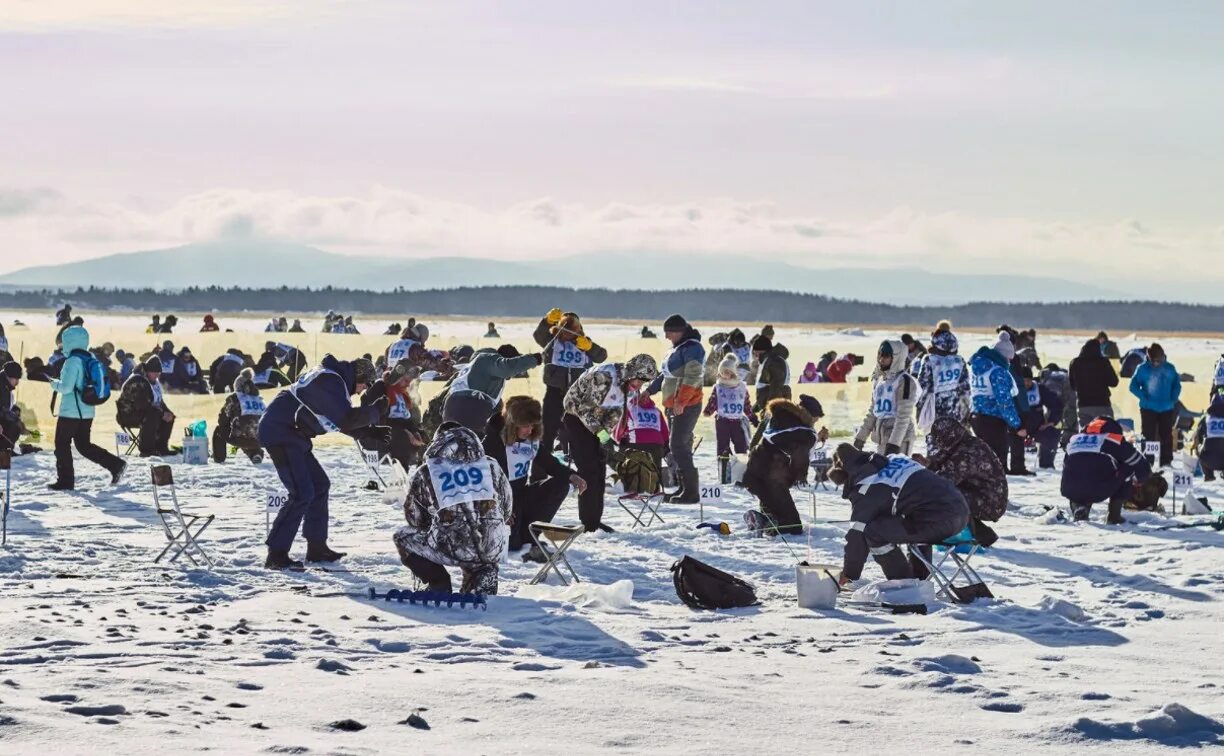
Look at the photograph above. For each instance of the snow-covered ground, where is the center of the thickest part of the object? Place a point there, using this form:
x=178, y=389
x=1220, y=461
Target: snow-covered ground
x=1100, y=637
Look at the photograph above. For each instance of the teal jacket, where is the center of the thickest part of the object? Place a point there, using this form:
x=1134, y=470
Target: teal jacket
x=72, y=376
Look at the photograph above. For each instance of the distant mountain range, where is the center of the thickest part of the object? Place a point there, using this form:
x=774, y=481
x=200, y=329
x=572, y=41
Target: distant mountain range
x=257, y=263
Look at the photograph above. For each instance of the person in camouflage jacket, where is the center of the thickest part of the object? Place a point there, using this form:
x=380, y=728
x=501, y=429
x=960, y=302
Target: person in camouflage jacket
x=594, y=412
x=973, y=467
x=470, y=534
x=238, y=421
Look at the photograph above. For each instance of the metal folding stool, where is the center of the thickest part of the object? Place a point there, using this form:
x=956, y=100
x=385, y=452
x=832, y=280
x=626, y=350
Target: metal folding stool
x=133, y=442
x=649, y=503
x=178, y=527
x=560, y=537
x=6, y=464
x=974, y=587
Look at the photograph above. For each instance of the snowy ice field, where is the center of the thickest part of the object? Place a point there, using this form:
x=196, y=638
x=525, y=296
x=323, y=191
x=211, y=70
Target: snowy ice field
x=1100, y=637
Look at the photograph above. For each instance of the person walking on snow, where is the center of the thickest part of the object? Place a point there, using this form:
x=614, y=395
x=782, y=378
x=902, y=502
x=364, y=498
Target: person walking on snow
x=681, y=382
x=75, y=422
x=320, y=402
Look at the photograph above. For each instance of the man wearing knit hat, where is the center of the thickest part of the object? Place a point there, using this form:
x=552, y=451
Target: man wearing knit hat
x=11, y=427
x=142, y=405
x=682, y=380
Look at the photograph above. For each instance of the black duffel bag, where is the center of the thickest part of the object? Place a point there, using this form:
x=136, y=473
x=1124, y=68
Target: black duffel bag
x=704, y=587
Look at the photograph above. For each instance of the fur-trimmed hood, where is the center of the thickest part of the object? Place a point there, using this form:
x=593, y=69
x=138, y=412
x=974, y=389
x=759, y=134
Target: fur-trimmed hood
x=522, y=410
x=785, y=415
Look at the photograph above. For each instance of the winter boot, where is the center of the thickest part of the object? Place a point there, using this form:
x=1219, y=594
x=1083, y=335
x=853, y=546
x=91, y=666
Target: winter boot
x=58, y=486
x=690, y=488
x=318, y=551
x=1079, y=512
x=279, y=560
x=117, y=475
x=724, y=470
x=535, y=554
x=917, y=568
x=434, y=575
x=984, y=534
x=1115, y=512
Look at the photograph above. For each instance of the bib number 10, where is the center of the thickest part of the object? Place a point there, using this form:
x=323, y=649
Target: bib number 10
x=464, y=476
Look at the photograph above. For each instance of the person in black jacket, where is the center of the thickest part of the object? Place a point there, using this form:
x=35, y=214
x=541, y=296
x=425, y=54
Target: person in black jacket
x=11, y=427
x=776, y=464
x=1040, y=421
x=1209, y=438
x=893, y=501
x=568, y=352
x=224, y=369
x=188, y=374
x=141, y=405
x=539, y=481
x=238, y=422
x=1101, y=465
x=1092, y=376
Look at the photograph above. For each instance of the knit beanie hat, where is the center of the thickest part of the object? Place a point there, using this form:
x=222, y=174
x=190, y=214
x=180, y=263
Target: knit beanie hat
x=1004, y=346
x=12, y=370
x=153, y=365
x=675, y=324
x=761, y=344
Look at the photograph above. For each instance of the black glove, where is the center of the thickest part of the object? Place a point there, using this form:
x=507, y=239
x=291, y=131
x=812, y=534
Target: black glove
x=539, y=358
x=379, y=434
x=892, y=449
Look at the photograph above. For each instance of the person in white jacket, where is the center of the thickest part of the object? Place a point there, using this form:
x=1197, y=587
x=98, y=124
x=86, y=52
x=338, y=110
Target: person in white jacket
x=894, y=392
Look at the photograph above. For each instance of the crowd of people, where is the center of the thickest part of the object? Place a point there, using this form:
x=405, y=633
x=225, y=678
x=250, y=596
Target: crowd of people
x=481, y=466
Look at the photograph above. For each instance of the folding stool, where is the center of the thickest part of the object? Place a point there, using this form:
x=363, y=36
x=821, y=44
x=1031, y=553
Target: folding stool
x=959, y=549
x=649, y=503
x=178, y=527
x=133, y=441
x=560, y=537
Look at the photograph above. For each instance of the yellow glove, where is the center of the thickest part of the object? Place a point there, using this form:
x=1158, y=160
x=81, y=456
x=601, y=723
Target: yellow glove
x=583, y=343
x=554, y=316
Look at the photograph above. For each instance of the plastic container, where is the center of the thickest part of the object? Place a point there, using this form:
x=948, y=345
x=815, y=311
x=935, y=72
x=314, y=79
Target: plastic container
x=816, y=589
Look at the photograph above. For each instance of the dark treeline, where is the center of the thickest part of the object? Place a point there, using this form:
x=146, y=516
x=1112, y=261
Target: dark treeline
x=647, y=306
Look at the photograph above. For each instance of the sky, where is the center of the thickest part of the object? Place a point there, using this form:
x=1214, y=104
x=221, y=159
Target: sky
x=977, y=136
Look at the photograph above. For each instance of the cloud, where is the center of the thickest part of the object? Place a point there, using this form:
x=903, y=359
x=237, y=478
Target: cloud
x=55, y=15
x=47, y=227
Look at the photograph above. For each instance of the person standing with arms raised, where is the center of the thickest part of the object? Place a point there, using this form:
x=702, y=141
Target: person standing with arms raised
x=567, y=353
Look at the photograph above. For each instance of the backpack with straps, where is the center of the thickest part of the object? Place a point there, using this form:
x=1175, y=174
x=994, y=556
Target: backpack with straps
x=95, y=388
x=701, y=586
x=638, y=473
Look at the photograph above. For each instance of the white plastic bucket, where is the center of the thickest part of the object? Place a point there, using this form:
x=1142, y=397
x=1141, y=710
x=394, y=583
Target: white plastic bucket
x=815, y=588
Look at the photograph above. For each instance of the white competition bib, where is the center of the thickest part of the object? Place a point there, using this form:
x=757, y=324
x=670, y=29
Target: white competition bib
x=157, y=392
x=232, y=358
x=760, y=384
x=1034, y=396
x=615, y=398
x=895, y=474
x=731, y=401
x=168, y=365
x=457, y=483
x=648, y=419
x=3, y=344
x=399, y=408
x=305, y=380
x=251, y=405
x=946, y=372
x=399, y=351
x=1084, y=443
x=743, y=354
x=884, y=399
x=192, y=368
x=979, y=383
x=1215, y=427
x=1219, y=372
x=566, y=354
x=518, y=458
x=263, y=376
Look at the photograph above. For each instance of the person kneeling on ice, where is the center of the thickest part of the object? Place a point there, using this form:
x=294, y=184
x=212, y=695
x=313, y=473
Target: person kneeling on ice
x=644, y=429
x=780, y=461
x=513, y=442
x=458, y=509
x=1209, y=437
x=975, y=470
x=142, y=405
x=732, y=410
x=594, y=410
x=893, y=501
x=890, y=418
x=238, y=421
x=319, y=402
x=1101, y=465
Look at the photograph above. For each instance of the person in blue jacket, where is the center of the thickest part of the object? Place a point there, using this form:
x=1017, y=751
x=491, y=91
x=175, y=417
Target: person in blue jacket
x=1158, y=387
x=319, y=402
x=75, y=422
x=994, y=392
x=1041, y=419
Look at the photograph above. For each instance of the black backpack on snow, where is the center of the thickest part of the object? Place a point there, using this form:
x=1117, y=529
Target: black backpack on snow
x=704, y=587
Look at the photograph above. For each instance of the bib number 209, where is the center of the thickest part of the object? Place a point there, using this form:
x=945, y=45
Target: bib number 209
x=464, y=476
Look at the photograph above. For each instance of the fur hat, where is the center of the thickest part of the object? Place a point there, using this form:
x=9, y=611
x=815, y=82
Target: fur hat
x=728, y=371
x=519, y=411
x=1005, y=347
x=245, y=382
x=785, y=414
x=363, y=371
x=569, y=327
